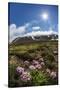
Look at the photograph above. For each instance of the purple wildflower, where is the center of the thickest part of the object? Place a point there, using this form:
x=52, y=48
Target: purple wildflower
x=20, y=70
x=35, y=62
x=38, y=66
x=25, y=76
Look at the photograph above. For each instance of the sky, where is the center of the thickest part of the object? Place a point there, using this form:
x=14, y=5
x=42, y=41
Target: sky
x=31, y=19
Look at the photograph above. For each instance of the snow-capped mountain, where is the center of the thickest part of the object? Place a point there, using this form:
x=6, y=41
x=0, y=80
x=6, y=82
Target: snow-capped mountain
x=36, y=36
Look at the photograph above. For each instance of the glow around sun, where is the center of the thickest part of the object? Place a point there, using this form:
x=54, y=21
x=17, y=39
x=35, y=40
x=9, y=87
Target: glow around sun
x=45, y=16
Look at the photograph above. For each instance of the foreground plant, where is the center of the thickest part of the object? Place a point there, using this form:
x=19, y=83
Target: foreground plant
x=25, y=76
x=19, y=70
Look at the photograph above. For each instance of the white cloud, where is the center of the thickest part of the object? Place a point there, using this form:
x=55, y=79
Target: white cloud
x=36, y=28
x=39, y=33
x=15, y=32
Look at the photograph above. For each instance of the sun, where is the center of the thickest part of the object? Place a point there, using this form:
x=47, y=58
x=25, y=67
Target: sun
x=45, y=16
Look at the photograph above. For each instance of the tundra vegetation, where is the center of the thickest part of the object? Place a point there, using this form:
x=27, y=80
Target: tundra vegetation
x=33, y=64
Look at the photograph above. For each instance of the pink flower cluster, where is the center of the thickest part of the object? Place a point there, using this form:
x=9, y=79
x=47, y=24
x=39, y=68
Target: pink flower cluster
x=24, y=75
x=35, y=62
x=20, y=70
x=36, y=65
x=41, y=61
x=51, y=73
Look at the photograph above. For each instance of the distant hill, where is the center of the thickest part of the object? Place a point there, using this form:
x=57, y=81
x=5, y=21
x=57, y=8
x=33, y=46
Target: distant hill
x=29, y=39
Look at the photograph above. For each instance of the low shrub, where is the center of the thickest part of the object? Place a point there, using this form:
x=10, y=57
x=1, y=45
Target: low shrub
x=39, y=78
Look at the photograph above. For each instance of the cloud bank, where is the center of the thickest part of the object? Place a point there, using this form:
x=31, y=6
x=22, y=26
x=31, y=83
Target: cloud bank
x=16, y=32
x=39, y=33
x=21, y=31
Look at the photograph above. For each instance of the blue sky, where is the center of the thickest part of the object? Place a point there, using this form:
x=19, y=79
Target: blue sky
x=30, y=15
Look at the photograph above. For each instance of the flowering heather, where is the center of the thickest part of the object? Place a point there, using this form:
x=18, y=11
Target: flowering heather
x=38, y=66
x=31, y=67
x=35, y=62
x=53, y=74
x=25, y=76
x=20, y=70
